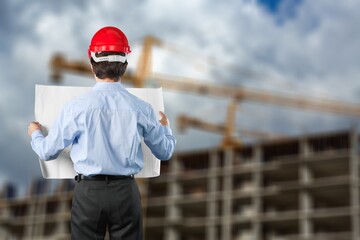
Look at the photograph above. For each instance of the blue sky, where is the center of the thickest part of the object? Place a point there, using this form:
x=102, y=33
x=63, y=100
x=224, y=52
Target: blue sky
x=282, y=10
x=275, y=5
x=271, y=5
x=303, y=47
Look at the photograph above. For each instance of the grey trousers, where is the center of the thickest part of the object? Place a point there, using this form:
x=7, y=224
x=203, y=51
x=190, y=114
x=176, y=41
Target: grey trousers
x=99, y=205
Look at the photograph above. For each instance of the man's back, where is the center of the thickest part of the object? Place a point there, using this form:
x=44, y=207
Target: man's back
x=111, y=123
x=105, y=128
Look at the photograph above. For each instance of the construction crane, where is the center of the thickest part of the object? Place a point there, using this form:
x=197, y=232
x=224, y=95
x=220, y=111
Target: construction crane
x=237, y=94
x=186, y=121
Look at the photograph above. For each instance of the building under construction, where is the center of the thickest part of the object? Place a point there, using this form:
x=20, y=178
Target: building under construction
x=304, y=187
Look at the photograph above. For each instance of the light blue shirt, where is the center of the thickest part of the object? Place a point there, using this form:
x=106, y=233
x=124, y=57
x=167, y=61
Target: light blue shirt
x=104, y=128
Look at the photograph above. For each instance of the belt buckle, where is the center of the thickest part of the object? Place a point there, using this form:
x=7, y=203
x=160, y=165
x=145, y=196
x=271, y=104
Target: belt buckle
x=78, y=177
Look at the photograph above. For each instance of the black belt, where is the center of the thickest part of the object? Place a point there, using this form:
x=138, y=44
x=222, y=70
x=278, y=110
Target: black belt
x=106, y=178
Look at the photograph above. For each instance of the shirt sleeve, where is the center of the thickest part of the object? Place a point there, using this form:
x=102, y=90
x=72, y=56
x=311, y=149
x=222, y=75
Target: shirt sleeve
x=61, y=135
x=159, y=138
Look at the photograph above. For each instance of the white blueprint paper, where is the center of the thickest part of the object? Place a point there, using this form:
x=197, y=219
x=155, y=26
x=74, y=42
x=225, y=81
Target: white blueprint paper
x=49, y=101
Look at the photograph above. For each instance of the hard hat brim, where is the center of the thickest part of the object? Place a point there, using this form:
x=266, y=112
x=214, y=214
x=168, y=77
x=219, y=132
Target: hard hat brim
x=109, y=48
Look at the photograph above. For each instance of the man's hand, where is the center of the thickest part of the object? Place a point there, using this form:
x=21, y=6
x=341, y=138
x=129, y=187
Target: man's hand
x=164, y=120
x=33, y=126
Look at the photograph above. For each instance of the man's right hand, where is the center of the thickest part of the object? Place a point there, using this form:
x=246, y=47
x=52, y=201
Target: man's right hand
x=164, y=120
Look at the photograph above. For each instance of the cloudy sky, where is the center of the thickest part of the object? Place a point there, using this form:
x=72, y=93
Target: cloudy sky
x=308, y=48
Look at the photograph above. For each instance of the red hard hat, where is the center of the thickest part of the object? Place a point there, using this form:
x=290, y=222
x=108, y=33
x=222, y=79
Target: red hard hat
x=109, y=39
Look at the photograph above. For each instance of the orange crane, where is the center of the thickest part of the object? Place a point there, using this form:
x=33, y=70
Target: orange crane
x=185, y=121
x=236, y=93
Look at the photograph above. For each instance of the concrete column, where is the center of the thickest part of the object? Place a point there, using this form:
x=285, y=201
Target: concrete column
x=41, y=216
x=212, y=206
x=173, y=213
x=257, y=199
x=62, y=224
x=6, y=215
x=30, y=215
x=354, y=183
x=305, y=200
x=227, y=194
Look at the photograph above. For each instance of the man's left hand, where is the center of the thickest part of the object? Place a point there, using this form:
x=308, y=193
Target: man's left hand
x=33, y=126
x=164, y=120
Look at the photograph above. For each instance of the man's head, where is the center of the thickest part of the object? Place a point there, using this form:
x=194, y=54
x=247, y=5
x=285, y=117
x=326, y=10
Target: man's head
x=106, y=69
x=107, y=52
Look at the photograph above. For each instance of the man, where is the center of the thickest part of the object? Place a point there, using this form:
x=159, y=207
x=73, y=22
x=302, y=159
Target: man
x=105, y=128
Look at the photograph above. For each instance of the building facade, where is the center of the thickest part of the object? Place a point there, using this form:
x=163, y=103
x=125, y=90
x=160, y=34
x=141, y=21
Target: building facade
x=299, y=188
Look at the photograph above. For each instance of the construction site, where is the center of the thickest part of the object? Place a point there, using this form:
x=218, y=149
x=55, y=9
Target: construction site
x=279, y=187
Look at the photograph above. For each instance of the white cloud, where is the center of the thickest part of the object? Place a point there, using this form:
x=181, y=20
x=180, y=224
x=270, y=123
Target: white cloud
x=315, y=53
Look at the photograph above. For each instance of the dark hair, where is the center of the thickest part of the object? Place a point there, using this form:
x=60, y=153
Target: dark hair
x=112, y=70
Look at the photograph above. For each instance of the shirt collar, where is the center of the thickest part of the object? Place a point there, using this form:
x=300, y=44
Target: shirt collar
x=108, y=86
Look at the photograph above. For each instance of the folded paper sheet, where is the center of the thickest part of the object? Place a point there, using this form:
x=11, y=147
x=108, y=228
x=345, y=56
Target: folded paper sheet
x=49, y=101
